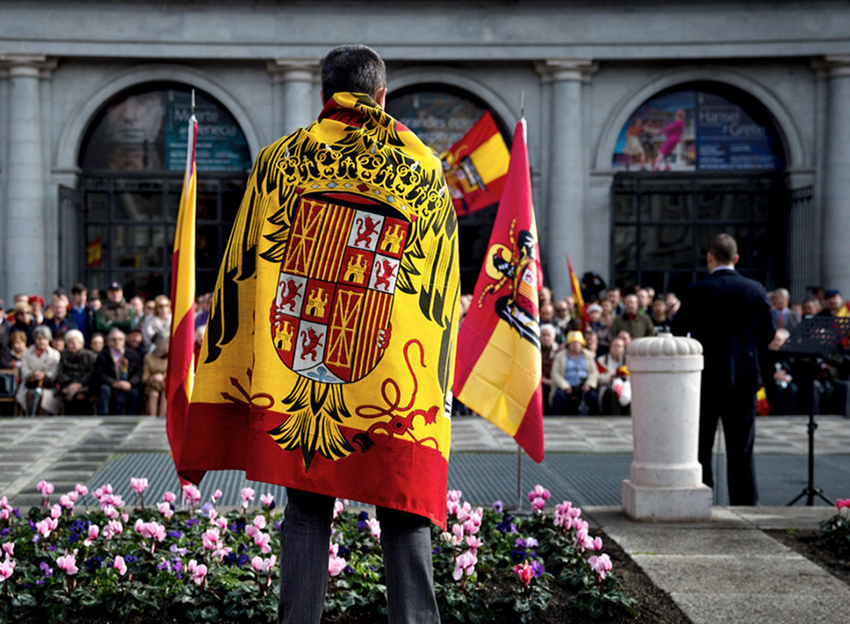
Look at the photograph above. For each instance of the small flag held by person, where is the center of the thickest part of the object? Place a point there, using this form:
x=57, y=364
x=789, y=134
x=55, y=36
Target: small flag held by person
x=179, y=374
x=476, y=167
x=499, y=369
x=578, y=298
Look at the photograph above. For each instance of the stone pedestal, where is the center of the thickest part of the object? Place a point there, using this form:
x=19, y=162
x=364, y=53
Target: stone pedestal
x=666, y=478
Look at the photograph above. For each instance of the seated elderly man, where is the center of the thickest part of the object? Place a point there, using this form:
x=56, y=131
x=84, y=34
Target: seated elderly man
x=76, y=368
x=638, y=325
x=39, y=367
x=118, y=373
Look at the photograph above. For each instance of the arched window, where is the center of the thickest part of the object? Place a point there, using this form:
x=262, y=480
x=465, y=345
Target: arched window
x=133, y=159
x=441, y=115
x=692, y=162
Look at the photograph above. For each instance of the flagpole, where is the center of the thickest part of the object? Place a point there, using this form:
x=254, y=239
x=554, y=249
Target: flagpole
x=518, y=477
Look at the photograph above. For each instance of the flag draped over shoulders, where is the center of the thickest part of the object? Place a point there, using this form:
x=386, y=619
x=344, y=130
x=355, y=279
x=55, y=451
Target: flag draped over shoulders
x=179, y=373
x=499, y=367
x=329, y=351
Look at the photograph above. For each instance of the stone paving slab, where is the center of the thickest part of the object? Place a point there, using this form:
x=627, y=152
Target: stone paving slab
x=758, y=609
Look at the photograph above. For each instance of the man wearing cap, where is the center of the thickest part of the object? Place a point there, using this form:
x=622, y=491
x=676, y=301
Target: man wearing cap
x=574, y=378
x=115, y=313
x=835, y=304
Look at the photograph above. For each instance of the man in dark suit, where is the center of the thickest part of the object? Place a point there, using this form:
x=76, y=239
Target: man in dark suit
x=730, y=315
x=117, y=376
x=783, y=316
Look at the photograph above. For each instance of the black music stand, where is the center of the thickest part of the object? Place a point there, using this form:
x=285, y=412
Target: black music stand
x=814, y=337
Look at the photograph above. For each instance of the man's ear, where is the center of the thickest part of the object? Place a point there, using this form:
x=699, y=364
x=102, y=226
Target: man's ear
x=381, y=97
x=735, y=260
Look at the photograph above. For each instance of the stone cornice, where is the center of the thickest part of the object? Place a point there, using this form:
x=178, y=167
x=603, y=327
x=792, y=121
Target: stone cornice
x=834, y=66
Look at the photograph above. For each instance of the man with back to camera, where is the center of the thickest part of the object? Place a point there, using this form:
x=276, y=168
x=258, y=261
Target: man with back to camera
x=360, y=185
x=730, y=315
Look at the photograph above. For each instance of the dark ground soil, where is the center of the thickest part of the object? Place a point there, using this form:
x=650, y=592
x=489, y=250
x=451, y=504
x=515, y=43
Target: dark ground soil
x=809, y=544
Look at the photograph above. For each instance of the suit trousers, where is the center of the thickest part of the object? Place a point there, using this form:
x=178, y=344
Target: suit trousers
x=305, y=539
x=737, y=410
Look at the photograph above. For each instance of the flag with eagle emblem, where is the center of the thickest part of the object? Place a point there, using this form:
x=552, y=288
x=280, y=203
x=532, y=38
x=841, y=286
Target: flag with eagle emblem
x=329, y=352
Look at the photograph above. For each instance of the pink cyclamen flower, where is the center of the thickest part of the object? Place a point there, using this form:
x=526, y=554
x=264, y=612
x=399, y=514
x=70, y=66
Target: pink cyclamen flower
x=112, y=528
x=7, y=567
x=169, y=497
x=263, y=565
x=538, y=503
x=453, y=495
x=262, y=540
x=260, y=522
x=55, y=511
x=538, y=492
x=165, y=509
x=150, y=530
x=339, y=507
x=120, y=565
x=247, y=495
x=525, y=571
x=191, y=494
x=81, y=489
x=473, y=542
x=45, y=488
x=601, y=565
x=210, y=539
x=46, y=526
x=267, y=499
x=102, y=491
x=68, y=563
x=562, y=515
x=840, y=504
x=198, y=571
x=336, y=565
x=139, y=485
x=457, y=534
x=374, y=527
x=465, y=564
x=9, y=549
x=65, y=502
x=92, y=534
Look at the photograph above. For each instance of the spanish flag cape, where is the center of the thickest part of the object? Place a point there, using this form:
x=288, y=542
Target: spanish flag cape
x=329, y=352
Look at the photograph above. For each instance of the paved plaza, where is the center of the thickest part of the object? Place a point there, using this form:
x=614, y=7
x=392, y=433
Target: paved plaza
x=725, y=570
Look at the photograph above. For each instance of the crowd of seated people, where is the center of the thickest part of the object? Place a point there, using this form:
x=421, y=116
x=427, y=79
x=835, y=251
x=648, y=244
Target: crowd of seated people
x=83, y=355
x=584, y=360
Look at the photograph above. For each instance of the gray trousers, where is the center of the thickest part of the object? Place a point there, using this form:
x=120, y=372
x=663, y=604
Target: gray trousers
x=305, y=539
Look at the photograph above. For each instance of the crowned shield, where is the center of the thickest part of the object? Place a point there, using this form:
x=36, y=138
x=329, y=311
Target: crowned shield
x=330, y=317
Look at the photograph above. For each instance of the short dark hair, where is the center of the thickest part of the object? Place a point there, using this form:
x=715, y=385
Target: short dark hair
x=724, y=248
x=78, y=288
x=355, y=68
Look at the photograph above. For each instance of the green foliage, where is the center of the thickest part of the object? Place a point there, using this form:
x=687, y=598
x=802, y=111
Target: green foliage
x=836, y=530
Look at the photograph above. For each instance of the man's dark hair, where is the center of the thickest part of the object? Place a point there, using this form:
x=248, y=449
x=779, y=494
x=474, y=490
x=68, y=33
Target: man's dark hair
x=724, y=248
x=355, y=68
x=78, y=288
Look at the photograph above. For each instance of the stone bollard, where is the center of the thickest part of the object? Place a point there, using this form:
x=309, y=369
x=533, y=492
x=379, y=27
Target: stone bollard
x=666, y=477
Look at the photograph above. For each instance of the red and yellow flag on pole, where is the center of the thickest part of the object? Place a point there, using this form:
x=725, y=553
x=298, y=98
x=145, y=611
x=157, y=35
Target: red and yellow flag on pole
x=476, y=166
x=498, y=371
x=181, y=349
x=578, y=298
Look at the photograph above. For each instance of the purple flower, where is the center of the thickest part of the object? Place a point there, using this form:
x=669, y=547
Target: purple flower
x=538, y=568
x=498, y=506
x=164, y=566
x=243, y=559
x=48, y=571
x=175, y=534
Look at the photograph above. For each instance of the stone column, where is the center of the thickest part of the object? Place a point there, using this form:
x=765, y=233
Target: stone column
x=25, y=220
x=567, y=170
x=298, y=105
x=666, y=477
x=836, y=207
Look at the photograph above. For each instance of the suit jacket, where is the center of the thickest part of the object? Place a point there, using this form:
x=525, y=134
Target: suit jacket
x=730, y=315
x=106, y=372
x=790, y=320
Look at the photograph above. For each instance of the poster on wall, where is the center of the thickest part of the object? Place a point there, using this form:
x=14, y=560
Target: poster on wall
x=439, y=119
x=147, y=132
x=692, y=130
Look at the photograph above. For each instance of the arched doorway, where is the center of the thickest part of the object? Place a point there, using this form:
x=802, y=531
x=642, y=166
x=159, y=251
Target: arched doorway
x=693, y=161
x=441, y=115
x=132, y=159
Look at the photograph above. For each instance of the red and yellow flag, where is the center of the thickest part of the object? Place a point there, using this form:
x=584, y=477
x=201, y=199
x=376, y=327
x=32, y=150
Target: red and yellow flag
x=476, y=166
x=498, y=372
x=329, y=351
x=179, y=375
x=578, y=298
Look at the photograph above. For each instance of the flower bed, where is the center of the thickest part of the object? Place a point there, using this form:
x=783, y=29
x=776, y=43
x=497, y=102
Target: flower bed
x=90, y=554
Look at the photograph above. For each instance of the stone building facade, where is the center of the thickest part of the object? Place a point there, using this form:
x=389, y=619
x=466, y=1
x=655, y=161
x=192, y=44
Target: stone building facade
x=763, y=152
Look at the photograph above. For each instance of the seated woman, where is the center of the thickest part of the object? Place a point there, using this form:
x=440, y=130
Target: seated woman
x=17, y=347
x=158, y=323
x=39, y=368
x=76, y=366
x=153, y=376
x=574, y=378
